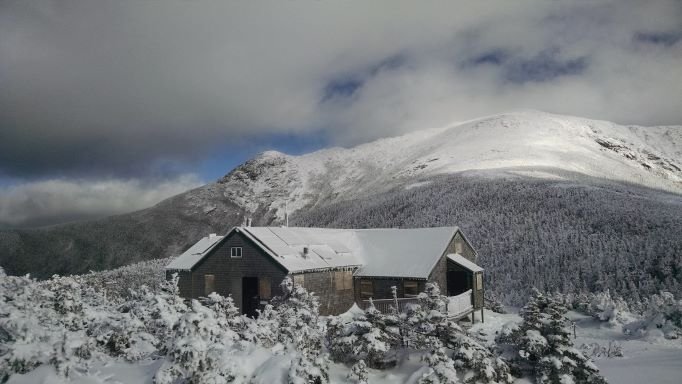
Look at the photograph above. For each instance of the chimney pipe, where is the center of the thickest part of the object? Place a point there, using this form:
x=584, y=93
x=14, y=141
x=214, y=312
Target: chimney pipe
x=305, y=251
x=248, y=222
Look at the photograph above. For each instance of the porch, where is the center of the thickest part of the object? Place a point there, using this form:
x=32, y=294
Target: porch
x=456, y=307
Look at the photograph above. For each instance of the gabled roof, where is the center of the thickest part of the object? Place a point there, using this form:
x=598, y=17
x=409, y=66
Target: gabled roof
x=402, y=252
x=406, y=253
x=464, y=262
x=195, y=253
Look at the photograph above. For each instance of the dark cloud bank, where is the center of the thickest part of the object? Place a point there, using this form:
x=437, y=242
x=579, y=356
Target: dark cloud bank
x=118, y=90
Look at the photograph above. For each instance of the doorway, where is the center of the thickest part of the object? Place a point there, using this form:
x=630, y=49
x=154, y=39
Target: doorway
x=250, y=296
x=458, y=282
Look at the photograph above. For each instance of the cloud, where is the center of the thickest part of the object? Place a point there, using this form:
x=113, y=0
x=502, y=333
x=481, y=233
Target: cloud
x=55, y=201
x=116, y=88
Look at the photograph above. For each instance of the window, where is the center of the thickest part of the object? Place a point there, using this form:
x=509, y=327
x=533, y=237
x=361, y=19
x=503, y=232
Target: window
x=209, y=284
x=343, y=280
x=366, y=289
x=458, y=247
x=411, y=288
x=264, y=290
x=299, y=279
x=236, y=252
x=479, y=281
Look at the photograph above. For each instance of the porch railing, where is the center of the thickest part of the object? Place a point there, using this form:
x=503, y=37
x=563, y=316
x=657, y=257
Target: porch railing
x=384, y=305
x=455, y=307
x=460, y=305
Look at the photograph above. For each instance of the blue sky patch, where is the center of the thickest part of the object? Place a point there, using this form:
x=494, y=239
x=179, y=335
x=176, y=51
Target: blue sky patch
x=230, y=155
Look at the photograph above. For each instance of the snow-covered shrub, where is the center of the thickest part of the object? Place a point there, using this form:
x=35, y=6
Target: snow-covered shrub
x=39, y=326
x=662, y=316
x=477, y=363
x=366, y=336
x=199, y=349
x=227, y=313
x=295, y=314
x=441, y=367
x=309, y=370
x=358, y=373
x=596, y=350
x=544, y=348
x=606, y=308
x=159, y=311
x=264, y=330
x=422, y=322
x=492, y=302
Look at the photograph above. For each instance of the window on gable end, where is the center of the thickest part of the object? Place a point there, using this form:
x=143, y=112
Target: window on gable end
x=236, y=252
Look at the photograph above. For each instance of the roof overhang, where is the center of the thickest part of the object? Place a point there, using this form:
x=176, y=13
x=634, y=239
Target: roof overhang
x=464, y=262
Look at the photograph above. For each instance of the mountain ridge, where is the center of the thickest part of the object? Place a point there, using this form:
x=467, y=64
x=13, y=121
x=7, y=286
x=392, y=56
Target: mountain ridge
x=524, y=145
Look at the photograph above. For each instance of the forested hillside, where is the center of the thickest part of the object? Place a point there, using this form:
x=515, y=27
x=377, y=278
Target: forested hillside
x=554, y=235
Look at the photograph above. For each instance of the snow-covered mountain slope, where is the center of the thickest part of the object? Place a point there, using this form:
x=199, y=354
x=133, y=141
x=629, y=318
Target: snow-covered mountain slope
x=525, y=141
x=506, y=149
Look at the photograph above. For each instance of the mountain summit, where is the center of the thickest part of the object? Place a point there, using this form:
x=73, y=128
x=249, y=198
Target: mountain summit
x=530, y=143
x=511, y=148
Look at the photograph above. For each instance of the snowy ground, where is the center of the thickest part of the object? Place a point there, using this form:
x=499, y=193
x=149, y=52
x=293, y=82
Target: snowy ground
x=651, y=361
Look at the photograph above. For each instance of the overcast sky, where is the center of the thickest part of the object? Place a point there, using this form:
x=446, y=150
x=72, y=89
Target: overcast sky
x=108, y=106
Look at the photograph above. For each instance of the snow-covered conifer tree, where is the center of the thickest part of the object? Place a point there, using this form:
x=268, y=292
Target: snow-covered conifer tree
x=544, y=346
x=358, y=372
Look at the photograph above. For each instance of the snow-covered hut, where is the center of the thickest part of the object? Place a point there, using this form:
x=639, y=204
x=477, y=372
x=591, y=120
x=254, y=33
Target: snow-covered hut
x=342, y=266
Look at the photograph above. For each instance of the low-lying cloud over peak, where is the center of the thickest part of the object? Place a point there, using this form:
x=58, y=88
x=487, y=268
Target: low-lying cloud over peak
x=126, y=88
x=57, y=201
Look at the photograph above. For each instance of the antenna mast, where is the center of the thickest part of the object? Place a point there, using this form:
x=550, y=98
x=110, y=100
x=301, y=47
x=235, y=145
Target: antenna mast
x=286, y=212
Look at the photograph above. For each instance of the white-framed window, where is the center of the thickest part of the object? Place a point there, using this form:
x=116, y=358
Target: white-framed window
x=410, y=288
x=236, y=252
x=459, y=248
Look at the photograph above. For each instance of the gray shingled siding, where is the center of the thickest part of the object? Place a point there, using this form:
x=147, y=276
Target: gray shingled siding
x=323, y=284
x=466, y=250
x=229, y=271
x=439, y=274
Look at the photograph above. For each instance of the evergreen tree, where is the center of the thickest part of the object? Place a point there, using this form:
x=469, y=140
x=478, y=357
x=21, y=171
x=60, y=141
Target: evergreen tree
x=544, y=347
x=358, y=373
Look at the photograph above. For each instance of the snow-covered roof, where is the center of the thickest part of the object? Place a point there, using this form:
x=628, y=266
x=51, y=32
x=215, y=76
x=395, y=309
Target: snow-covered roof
x=377, y=252
x=464, y=262
x=327, y=248
x=190, y=257
x=406, y=253
x=402, y=252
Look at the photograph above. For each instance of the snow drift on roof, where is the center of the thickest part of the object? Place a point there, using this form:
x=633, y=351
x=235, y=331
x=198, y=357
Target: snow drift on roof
x=192, y=256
